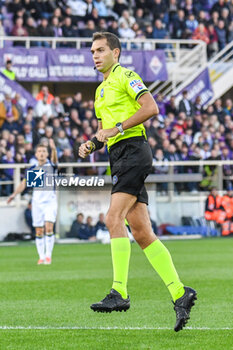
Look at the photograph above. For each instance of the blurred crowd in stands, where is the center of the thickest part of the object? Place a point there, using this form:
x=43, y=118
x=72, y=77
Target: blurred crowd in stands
x=219, y=209
x=207, y=20
x=85, y=229
x=180, y=132
x=80, y=228
x=88, y=231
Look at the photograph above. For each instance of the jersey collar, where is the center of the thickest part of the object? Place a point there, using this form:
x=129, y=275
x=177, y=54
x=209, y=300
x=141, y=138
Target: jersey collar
x=113, y=70
x=115, y=67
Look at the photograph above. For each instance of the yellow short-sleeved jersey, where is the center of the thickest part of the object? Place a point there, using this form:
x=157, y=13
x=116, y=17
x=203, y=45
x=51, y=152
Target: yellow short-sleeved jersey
x=116, y=100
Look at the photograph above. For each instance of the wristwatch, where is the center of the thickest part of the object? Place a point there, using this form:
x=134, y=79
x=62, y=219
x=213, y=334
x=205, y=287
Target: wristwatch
x=119, y=127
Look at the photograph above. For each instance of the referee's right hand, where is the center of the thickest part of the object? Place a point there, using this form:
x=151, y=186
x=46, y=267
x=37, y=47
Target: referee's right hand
x=84, y=149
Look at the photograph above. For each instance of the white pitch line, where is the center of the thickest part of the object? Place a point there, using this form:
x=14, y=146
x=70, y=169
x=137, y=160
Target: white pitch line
x=110, y=328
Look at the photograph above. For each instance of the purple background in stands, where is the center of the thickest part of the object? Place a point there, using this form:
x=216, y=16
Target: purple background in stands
x=77, y=65
x=201, y=86
x=29, y=65
x=155, y=66
x=11, y=87
x=70, y=65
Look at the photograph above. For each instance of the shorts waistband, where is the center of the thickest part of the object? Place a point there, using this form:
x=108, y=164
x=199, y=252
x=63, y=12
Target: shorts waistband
x=124, y=141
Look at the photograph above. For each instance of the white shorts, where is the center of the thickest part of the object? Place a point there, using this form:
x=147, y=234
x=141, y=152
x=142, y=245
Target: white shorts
x=42, y=212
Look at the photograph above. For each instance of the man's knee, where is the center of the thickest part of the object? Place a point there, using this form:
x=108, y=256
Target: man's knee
x=48, y=227
x=39, y=232
x=138, y=232
x=113, y=220
x=143, y=234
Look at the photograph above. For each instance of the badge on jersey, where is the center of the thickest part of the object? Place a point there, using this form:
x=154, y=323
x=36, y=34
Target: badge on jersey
x=35, y=178
x=137, y=85
x=129, y=74
x=102, y=93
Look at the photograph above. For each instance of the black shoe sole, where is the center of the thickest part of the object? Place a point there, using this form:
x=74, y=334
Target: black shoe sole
x=105, y=310
x=184, y=321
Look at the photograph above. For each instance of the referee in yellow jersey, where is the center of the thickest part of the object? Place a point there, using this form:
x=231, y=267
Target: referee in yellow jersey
x=122, y=104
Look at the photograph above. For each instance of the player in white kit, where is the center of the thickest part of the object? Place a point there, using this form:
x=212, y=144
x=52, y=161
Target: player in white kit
x=44, y=202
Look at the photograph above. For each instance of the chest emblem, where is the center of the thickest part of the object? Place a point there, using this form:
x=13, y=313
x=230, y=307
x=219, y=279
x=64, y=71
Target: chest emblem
x=102, y=93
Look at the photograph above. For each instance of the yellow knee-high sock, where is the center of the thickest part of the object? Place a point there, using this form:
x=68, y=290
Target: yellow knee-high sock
x=121, y=249
x=161, y=260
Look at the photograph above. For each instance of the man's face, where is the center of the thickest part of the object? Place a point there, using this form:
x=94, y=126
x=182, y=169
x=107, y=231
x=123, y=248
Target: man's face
x=41, y=154
x=49, y=133
x=7, y=97
x=44, y=22
x=68, y=21
x=225, y=152
x=19, y=22
x=44, y=90
x=20, y=139
x=159, y=154
x=55, y=21
x=214, y=192
x=184, y=150
x=172, y=149
x=91, y=25
x=228, y=103
x=74, y=113
x=80, y=218
x=89, y=220
x=158, y=24
x=103, y=56
x=69, y=101
x=27, y=129
x=221, y=24
x=30, y=21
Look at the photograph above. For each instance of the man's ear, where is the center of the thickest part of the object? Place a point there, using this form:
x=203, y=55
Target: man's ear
x=116, y=53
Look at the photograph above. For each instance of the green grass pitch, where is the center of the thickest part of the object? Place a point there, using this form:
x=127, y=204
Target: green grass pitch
x=54, y=300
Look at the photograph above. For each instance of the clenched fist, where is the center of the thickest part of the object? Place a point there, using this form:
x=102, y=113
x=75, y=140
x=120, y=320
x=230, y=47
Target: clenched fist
x=84, y=149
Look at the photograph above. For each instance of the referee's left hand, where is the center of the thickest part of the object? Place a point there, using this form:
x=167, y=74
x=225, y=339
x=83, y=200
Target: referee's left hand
x=104, y=134
x=84, y=149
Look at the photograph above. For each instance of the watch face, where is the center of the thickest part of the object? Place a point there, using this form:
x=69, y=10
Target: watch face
x=119, y=126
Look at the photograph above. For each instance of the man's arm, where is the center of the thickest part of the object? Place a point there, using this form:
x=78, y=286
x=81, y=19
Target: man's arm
x=18, y=190
x=54, y=158
x=148, y=109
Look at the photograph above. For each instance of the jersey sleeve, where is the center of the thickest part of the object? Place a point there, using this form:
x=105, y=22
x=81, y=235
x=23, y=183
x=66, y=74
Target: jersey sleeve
x=98, y=117
x=133, y=84
x=97, y=112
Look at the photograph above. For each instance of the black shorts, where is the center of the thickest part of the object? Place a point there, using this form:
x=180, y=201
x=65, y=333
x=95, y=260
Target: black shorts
x=131, y=162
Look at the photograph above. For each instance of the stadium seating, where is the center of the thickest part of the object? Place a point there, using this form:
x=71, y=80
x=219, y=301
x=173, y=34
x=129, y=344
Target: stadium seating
x=172, y=135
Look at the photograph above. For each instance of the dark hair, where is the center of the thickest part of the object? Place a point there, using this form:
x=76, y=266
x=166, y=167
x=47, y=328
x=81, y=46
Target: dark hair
x=112, y=40
x=41, y=145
